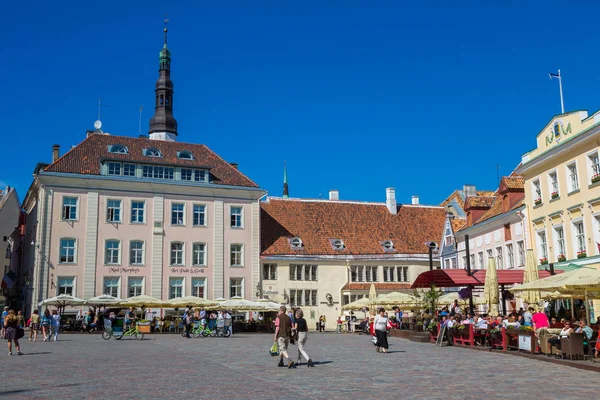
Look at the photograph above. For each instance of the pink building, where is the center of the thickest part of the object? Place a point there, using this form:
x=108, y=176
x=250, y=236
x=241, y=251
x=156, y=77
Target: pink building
x=128, y=216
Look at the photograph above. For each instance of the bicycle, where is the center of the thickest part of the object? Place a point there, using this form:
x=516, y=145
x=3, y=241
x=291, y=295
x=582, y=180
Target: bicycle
x=342, y=328
x=132, y=331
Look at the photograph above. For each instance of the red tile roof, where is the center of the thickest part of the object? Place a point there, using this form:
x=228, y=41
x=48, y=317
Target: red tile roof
x=391, y=286
x=360, y=225
x=479, y=202
x=458, y=224
x=459, y=277
x=86, y=157
x=514, y=182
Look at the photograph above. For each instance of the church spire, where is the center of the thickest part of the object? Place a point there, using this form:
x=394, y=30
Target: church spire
x=285, y=183
x=163, y=125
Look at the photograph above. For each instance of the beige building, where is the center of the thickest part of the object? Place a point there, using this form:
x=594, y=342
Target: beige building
x=323, y=254
x=562, y=191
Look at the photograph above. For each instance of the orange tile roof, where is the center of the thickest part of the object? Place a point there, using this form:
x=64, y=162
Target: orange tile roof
x=479, y=201
x=86, y=157
x=514, y=182
x=360, y=225
x=458, y=223
x=454, y=196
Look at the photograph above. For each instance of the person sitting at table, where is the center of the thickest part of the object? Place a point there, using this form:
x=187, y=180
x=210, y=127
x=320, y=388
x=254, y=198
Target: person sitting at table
x=520, y=320
x=553, y=321
x=444, y=312
x=564, y=333
x=468, y=320
x=583, y=327
x=481, y=323
x=511, y=323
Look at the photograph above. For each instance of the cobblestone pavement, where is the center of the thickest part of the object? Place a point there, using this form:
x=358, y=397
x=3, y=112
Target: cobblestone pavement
x=168, y=366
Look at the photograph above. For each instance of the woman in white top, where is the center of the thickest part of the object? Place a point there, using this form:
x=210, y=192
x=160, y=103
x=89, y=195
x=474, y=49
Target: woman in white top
x=380, y=324
x=564, y=333
x=55, y=324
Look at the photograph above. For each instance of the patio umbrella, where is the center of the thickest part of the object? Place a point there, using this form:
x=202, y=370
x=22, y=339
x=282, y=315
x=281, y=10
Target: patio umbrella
x=268, y=305
x=238, y=304
x=372, y=297
x=357, y=304
x=143, y=301
x=490, y=289
x=397, y=298
x=449, y=298
x=531, y=275
x=102, y=301
x=62, y=300
x=192, y=301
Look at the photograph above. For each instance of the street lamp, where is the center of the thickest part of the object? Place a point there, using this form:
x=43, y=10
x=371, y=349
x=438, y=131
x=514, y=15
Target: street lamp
x=432, y=246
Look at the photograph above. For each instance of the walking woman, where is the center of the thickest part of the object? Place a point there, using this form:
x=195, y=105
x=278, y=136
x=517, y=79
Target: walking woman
x=380, y=325
x=11, y=325
x=34, y=326
x=46, y=323
x=55, y=324
x=302, y=328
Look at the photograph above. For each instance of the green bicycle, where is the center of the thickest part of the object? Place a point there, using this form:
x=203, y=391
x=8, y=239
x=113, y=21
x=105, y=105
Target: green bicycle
x=133, y=331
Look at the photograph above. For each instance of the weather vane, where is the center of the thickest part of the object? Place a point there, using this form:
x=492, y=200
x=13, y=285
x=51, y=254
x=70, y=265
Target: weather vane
x=165, y=29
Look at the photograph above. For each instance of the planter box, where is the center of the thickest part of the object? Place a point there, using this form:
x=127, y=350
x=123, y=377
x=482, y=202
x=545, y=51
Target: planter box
x=582, y=255
x=144, y=327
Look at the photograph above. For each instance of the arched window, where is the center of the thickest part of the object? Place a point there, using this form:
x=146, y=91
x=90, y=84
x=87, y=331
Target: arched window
x=119, y=149
x=185, y=155
x=152, y=152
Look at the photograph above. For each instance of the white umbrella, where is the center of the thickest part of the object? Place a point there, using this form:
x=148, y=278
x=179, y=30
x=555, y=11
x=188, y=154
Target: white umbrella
x=142, y=301
x=269, y=305
x=102, y=301
x=239, y=304
x=192, y=301
x=62, y=300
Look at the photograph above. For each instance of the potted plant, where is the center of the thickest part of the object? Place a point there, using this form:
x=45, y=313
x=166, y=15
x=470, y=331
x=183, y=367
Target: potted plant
x=595, y=178
x=554, y=195
x=537, y=201
x=544, y=261
x=581, y=254
x=561, y=258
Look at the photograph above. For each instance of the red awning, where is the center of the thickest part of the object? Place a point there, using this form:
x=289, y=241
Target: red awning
x=459, y=277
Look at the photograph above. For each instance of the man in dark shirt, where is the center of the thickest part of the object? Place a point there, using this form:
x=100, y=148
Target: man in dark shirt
x=283, y=332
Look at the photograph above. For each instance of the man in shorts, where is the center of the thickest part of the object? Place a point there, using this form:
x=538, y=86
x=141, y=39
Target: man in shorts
x=129, y=318
x=283, y=333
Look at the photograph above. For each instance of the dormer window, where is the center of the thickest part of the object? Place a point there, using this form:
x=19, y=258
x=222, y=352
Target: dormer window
x=387, y=245
x=152, y=152
x=296, y=243
x=337, y=244
x=185, y=155
x=118, y=149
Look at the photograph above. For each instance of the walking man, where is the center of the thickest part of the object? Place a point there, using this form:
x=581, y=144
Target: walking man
x=283, y=332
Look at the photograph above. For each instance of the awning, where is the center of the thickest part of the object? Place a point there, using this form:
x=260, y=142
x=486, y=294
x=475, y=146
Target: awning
x=459, y=277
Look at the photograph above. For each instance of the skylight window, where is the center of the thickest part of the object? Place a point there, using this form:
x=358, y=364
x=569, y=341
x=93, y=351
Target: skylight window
x=337, y=244
x=118, y=149
x=185, y=155
x=387, y=245
x=152, y=152
x=296, y=243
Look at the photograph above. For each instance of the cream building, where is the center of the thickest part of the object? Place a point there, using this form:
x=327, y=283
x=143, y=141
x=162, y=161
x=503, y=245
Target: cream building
x=322, y=254
x=562, y=191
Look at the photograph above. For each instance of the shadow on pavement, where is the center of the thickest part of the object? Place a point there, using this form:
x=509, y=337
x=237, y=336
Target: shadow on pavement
x=17, y=391
x=322, y=362
x=39, y=352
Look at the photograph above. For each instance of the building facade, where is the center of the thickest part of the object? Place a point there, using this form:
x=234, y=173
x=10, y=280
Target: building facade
x=150, y=215
x=10, y=211
x=323, y=254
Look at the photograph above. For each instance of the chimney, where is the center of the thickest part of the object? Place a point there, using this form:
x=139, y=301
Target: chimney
x=390, y=200
x=55, y=152
x=415, y=199
x=469, y=191
x=234, y=165
x=334, y=195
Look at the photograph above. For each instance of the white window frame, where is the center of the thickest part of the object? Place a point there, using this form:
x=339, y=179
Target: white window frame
x=125, y=166
x=572, y=177
x=176, y=256
x=240, y=286
x=481, y=260
x=112, y=250
x=558, y=240
x=521, y=252
x=269, y=271
x=371, y=273
x=111, y=211
x=596, y=225
x=536, y=190
x=204, y=213
x=510, y=255
x=139, y=252
x=593, y=162
x=553, y=186
x=64, y=206
x=195, y=252
x=180, y=283
x=499, y=258
x=578, y=237
x=111, y=166
x=60, y=251
x=542, y=244
x=234, y=254
x=178, y=221
x=194, y=286
x=72, y=286
x=112, y=286
x=236, y=220
x=136, y=211
x=130, y=286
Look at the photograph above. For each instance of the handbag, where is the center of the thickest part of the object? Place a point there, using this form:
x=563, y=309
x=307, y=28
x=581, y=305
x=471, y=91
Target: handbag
x=374, y=339
x=274, y=351
x=20, y=333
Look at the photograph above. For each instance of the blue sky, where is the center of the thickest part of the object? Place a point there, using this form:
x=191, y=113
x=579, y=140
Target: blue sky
x=355, y=95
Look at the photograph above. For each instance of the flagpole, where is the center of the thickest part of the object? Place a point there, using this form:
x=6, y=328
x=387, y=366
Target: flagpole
x=562, y=103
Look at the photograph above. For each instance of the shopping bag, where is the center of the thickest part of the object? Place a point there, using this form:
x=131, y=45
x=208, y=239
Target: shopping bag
x=374, y=339
x=274, y=350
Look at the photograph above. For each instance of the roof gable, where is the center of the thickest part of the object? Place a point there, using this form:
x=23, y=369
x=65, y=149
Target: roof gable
x=86, y=158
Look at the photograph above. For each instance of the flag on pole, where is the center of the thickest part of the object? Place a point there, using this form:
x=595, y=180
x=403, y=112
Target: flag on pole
x=8, y=280
x=553, y=75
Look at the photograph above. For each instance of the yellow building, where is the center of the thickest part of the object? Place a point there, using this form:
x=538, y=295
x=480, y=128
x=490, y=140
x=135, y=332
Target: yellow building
x=562, y=191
